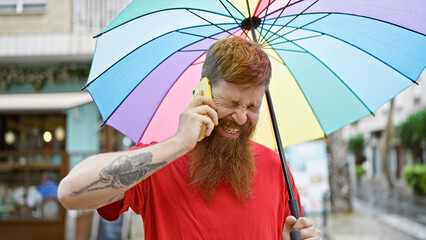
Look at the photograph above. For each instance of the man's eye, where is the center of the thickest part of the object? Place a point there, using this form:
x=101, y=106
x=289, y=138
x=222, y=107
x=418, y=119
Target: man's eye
x=255, y=109
x=227, y=105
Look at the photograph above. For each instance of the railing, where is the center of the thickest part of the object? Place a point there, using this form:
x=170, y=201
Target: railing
x=92, y=16
x=84, y=17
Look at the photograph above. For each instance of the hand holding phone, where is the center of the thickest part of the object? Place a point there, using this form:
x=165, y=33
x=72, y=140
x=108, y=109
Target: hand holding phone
x=204, y=88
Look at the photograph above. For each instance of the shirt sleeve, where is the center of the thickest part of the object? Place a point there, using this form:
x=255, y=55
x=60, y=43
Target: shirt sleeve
x=113, y=211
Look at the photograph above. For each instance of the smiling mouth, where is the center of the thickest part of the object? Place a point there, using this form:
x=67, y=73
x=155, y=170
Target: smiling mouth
x=231, y=130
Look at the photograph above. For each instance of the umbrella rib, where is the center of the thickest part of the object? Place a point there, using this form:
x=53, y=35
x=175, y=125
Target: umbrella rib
x=295, y=29
x=301, y=90
x=88, y=84
x=287, y=50
x=267, y=39
x=192, y=64
x=150, y=13
x=193, y=50
x=278, y=60
x=278, y=9
x=158, y=107
x=297, y=39
x=112, y=113
x=378, y=59
x=355, y=15
x=251, y=22
x=230, y=14
x=209, y=21
x=197, y=35
x=275, y=20
x=142, y=81
x=145, y=77
x=281, y=61
x=325, y=65
x=266, y=14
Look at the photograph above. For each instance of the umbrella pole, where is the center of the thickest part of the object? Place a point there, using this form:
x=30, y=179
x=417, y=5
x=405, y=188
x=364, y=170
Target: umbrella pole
x=293, y=203
x=279, y=146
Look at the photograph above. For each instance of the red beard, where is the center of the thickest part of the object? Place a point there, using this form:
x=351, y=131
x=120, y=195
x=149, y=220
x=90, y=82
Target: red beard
x=218, y=158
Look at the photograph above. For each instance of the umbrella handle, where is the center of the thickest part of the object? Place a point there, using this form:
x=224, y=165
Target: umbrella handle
x=295, y=235
x=295, y=211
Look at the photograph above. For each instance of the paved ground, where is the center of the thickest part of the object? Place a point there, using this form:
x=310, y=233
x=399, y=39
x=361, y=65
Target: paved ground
x=371, y=223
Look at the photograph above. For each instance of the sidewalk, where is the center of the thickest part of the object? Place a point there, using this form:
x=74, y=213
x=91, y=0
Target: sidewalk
x=370, y=223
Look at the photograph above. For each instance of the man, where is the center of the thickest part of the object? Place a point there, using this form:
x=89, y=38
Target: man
x=224, y=187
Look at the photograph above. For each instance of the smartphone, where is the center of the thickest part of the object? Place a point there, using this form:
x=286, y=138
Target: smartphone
x=204, y=86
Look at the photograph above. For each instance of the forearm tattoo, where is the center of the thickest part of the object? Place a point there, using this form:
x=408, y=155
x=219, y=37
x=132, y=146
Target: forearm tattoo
x=122, y=172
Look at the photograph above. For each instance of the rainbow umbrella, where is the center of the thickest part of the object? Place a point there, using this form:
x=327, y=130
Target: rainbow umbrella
x=334, y=61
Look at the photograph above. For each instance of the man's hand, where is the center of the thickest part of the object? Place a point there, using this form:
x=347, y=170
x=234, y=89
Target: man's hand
x=200, y=112
x=306, y=226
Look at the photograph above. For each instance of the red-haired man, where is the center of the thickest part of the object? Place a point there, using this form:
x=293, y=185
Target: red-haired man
x=223, y=187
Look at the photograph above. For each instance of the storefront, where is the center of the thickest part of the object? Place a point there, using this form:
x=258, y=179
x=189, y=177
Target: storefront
x=33, y=159
x=45, y=129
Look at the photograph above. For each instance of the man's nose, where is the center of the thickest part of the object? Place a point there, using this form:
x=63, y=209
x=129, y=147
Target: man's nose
x=240, y=116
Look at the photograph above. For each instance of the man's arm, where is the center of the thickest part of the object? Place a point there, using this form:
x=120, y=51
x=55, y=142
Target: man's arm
x=103, y=178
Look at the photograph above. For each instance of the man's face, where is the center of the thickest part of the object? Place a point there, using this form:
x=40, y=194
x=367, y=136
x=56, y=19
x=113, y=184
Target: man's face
x=236, y=105
x=226, y=154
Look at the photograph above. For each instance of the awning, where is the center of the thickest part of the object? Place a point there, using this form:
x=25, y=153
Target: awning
x=18, y=102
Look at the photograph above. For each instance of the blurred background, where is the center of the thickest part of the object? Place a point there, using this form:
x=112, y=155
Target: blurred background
x=365, y=181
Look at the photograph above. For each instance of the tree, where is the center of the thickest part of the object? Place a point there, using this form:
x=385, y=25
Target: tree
x=387, y=134
x=340, y=186
x=412, y=134
x=356, y=146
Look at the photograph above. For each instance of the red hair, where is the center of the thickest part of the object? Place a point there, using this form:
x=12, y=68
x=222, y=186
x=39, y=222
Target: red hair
x=238, y=61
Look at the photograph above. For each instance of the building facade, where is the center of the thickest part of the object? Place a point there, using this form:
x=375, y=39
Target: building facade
x=408, y=102
x=47, y=124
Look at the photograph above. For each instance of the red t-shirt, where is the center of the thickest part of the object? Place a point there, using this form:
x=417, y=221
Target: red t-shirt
x=171, y=210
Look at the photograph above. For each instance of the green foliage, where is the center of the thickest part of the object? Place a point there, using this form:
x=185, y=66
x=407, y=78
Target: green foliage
x=360, y=171
x=39, y=76
x=356, y=145
x=412, y=132
x=415, y=176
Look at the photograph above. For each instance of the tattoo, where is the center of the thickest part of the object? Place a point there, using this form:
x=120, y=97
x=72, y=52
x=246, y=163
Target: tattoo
x=122, y=172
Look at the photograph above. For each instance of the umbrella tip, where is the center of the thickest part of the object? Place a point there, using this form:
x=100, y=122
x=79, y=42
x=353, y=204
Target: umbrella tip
x=246, y=23
x=96, y=36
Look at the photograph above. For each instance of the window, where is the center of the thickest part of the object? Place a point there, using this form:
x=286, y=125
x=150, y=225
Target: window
x=8, y=7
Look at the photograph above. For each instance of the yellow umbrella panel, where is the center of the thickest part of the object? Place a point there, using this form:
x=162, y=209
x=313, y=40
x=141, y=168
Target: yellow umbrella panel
x=291, y=108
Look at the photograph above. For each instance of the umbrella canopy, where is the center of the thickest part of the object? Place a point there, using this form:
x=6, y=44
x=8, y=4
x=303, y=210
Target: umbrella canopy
x=334, y=61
